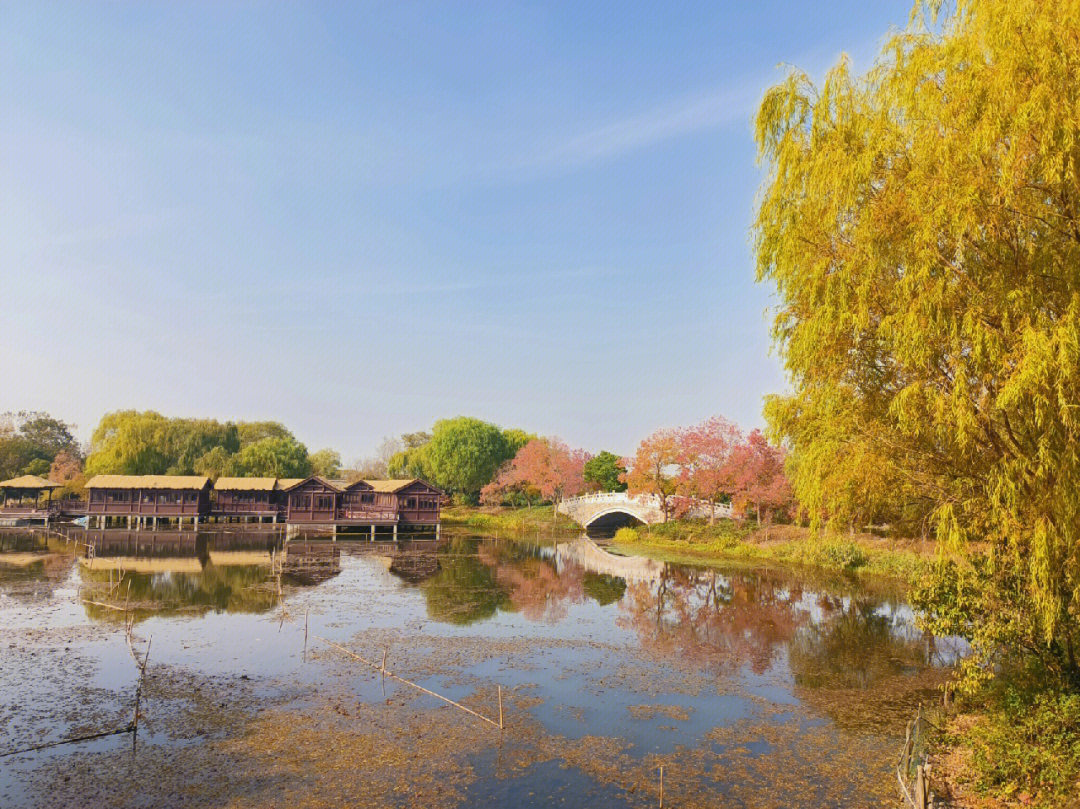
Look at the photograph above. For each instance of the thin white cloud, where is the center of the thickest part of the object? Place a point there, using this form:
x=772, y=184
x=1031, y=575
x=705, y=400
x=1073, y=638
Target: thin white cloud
x=713, y=109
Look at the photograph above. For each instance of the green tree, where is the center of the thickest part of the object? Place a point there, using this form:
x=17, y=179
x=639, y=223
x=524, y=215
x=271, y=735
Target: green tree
x=38, y=466
x=410, y=463
x=604, y=471
x=326, y=463
x=415, y=440
x=516, y=439
x=189, y=440
x=32, y=440
x=922, y=228
x=464, y=454
x=48, y=434
x=272, y=457
x=214, y=463
x=129, y=442
x=249, y=432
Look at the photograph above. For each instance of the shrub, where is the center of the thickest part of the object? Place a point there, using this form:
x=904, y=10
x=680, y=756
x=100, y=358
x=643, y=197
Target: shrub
x=839, y=554
x=1030, y=744
x=626, y=534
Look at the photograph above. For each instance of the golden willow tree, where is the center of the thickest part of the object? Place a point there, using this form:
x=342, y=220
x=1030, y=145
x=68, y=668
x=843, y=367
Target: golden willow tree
x=921, y=224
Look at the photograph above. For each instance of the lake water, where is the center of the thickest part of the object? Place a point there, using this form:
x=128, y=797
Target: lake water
x=750, y=686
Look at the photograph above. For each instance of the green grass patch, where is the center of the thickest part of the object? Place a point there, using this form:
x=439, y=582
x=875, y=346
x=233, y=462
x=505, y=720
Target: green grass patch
x=521, y=521
x=692, y=541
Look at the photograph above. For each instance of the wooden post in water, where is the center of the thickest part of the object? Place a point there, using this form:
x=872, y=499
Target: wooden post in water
x=500, y=709
x=307, y=614
x=661, y=787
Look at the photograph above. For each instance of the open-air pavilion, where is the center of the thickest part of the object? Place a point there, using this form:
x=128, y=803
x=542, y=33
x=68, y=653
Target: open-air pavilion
x=28, y=498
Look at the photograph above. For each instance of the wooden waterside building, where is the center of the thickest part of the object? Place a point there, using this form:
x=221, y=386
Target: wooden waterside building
x=148, y=498
x=141, y=501
x=251, y=498
x=418, y=503
x=315, y=501
x=28, y=499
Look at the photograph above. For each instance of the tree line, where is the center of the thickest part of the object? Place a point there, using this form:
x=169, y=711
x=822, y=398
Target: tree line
x=472, y=460
x=130, y=442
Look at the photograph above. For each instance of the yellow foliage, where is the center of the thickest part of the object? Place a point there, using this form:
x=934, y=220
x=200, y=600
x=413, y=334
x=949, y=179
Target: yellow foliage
x=921, y=224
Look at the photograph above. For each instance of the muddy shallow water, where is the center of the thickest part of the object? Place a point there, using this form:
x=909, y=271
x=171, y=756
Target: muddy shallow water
x=751, y=687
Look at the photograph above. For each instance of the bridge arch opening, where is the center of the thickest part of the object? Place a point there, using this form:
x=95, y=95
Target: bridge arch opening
x=604, y=525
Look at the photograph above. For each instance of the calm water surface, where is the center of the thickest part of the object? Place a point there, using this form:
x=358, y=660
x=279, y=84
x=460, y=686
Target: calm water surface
x=750, y=686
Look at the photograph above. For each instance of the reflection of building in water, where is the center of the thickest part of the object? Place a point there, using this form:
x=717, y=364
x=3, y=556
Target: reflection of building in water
x=144, y=551
x=587, y=554
x=307, y=561
x=174, y=551
x=414, y=565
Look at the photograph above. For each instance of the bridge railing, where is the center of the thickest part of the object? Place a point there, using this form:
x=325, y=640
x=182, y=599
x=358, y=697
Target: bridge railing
x=698, y=508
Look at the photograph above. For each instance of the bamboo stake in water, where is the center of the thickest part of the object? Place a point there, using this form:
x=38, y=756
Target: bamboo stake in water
x=417, y=686
x=307, y=615
x=661, y=788
x=500, y=709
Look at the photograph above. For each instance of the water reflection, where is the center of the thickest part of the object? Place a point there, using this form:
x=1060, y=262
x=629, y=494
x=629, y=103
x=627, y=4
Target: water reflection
x=310, y=562
x=774, y=680
x=827, y=633
x=854, y=643
x=32, y=565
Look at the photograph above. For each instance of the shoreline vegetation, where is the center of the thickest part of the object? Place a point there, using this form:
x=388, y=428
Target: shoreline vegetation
x=698, y=542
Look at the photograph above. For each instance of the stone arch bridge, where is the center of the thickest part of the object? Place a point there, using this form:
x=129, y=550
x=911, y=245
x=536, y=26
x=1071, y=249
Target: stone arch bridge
x=612, y=509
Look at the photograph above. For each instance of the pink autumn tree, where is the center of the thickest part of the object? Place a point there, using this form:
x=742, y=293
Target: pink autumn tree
x=759, y=481
x=544, y=467
x=705, y=462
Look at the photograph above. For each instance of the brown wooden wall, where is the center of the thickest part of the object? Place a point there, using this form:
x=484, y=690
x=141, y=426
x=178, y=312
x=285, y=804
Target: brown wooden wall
x=419, y=504
x=229, y=501
x=149, y=502
x=312, y=501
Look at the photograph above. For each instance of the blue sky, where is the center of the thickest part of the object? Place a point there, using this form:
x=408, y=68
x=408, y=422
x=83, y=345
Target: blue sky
x=359, y=218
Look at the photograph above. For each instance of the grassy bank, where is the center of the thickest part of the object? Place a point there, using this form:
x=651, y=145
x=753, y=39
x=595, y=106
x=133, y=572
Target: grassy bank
x=692, y=541
x=509, y=522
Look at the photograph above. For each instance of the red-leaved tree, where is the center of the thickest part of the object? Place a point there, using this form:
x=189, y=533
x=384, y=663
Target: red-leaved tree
x=544, y=465
x=706, y=472
x=758, y=475
x=654, y=468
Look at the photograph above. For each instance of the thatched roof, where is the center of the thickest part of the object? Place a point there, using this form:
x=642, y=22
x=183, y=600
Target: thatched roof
x=147, y=482
x=246, y=484
x=291, y=483
x=29, y=482
x=391, y=485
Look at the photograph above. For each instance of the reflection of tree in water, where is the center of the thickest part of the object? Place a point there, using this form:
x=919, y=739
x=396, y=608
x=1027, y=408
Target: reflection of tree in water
x=465, y=589
x=36, y=565
x=477, y=578
x=859, y=666
x=535, y=586
x=833, y=640
x=718, y=622
x=603, y=588
x=853, y=646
